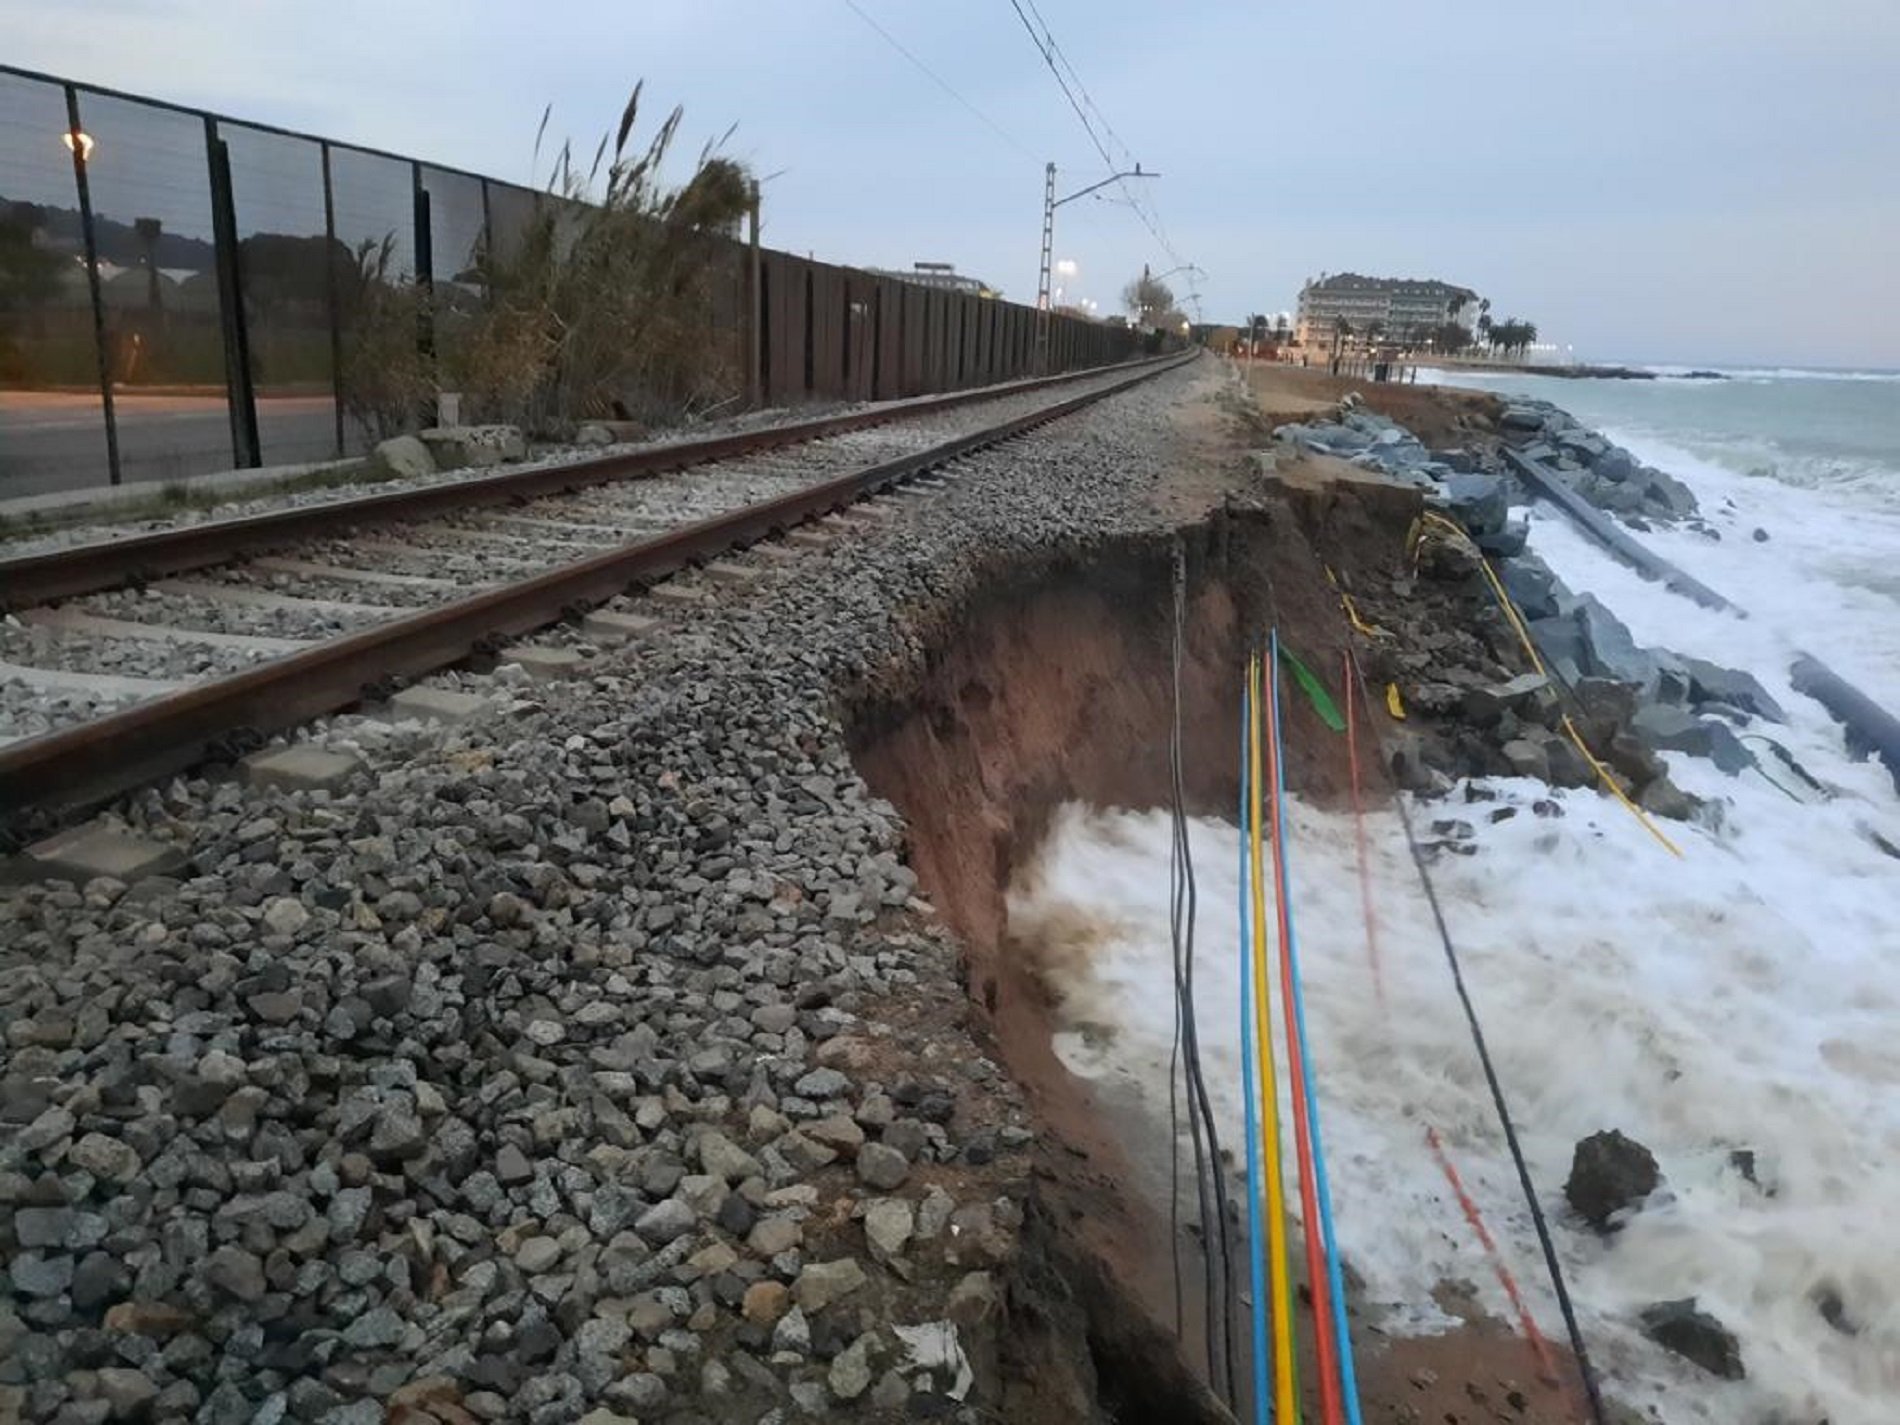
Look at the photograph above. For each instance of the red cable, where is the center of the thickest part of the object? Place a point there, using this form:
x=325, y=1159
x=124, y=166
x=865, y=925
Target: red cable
x=1546, y=1368
x=1325, y=1349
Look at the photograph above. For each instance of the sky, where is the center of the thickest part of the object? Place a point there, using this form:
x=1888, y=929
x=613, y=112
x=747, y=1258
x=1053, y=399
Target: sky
x=1699, y=181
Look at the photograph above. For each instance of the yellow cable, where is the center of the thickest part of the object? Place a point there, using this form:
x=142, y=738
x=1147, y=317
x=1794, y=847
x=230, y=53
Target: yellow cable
x=1360, y=626
x=1286, y=1406
x=1570, y=728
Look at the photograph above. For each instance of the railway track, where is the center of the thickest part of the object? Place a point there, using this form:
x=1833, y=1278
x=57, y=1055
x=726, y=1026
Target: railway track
x=127, y=660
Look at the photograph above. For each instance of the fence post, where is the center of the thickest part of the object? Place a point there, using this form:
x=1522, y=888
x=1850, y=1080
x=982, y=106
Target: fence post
x=755, y=310
x=331, y=264
x=240, y=398
x=425, y=282
x=877, y=340
x=83, y=182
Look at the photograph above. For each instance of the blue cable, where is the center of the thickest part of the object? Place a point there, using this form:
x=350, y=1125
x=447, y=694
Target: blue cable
x=1348, y=1377
x=1256, y=1212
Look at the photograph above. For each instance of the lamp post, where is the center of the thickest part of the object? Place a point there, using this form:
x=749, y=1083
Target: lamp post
x=1049, y=205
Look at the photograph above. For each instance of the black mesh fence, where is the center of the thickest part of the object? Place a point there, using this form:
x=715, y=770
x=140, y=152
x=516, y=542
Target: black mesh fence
x=183, y=293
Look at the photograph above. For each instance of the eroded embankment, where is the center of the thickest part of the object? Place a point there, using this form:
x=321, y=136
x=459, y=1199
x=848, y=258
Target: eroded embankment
x=1056, y=685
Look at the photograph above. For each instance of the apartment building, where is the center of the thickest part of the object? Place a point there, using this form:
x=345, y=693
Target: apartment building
x=1398, y=304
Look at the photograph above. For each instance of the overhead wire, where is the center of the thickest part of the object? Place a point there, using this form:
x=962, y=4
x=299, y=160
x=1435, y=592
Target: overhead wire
x=937, y=78
x=1056, y=61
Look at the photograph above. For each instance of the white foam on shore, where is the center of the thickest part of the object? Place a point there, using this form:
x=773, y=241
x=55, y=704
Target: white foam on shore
x=1827, y=578
x=1742, y=997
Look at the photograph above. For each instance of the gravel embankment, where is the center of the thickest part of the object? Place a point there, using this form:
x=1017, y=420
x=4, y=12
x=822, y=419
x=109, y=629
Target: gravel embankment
x=920, y=433
x=594, y=1059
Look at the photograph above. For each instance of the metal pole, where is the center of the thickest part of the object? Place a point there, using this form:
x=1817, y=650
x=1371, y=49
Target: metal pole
x=755, y=298
x=425, y=280
x=1041, y=360
x=240, y=396
x=330, y=274
x=84, y=185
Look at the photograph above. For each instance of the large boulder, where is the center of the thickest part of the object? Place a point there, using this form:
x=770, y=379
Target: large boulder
x=1675, y=729
x=1712, y=683
x=1561, y=644
x=1481, y=503
x=1668, y=495
x=1610, y=1175
x=1506, y=542
x=1531, y=585
x=1612, y=650
x=1444, y=554
x=1524, y=418
x=1615, y=465
x=458, y=447
x=405, y=457
x=1684, y=1329
x=1604, y=708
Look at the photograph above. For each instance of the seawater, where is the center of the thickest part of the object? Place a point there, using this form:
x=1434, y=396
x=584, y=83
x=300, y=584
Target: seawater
x=1740, y=998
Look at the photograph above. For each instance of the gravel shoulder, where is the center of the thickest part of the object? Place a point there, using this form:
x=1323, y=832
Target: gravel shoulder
x=594, y=1059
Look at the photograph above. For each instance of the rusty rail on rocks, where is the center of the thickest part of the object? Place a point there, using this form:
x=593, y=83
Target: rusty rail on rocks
x=108, y=564
x=46, y=779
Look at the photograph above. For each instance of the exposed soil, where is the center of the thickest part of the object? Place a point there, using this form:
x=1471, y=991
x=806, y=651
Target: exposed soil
x=1055, y=686
x=1441, y=417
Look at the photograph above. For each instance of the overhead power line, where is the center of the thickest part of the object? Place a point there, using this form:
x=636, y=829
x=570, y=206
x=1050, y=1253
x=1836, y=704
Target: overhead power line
x=938, y=79
x=1082, y=103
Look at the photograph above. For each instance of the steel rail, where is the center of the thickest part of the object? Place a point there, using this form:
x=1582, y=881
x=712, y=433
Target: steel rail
x=49, y=778
x=111, y=563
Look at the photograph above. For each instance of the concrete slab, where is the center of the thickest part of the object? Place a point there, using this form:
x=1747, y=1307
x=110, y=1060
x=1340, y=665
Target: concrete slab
x=740, y=575
x=677, y=595
x=104, y=501
x=315, y=570
x=302, y=768
x=68, y=620
x=811, y=539
x=488, y=551
x=868, y=513
x=542, y=661
x=94, y=849
x=259, y=599
x=775, y=553
x=101, y=685
x=437, y=705
x=572, y=531
x=607, y=625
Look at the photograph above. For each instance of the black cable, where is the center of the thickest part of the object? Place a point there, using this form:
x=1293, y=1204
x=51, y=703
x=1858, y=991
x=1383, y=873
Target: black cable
x=1544, y=1239
x=1183, y=909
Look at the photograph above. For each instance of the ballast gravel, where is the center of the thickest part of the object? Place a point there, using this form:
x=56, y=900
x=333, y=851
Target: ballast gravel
x=556, y=1067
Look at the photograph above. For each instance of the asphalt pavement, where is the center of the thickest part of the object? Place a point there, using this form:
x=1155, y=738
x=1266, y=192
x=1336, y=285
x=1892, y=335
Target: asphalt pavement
x=52, y=441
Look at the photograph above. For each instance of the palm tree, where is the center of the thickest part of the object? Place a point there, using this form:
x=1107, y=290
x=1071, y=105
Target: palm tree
x=1341, y=330
x=1484, y=324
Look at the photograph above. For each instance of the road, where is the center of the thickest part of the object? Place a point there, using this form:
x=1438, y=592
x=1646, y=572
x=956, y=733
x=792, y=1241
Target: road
x=56, y=441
